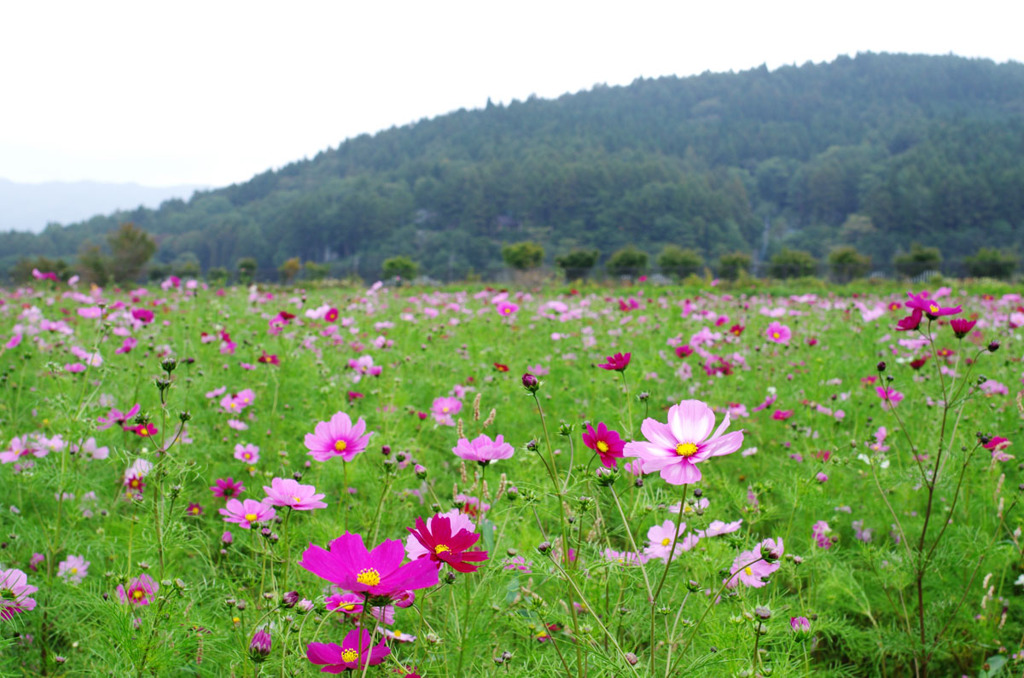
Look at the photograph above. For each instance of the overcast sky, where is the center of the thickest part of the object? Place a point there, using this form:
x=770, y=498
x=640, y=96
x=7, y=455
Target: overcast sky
x=213, y=92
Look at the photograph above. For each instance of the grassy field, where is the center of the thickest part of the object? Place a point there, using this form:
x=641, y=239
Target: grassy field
x=690, y=481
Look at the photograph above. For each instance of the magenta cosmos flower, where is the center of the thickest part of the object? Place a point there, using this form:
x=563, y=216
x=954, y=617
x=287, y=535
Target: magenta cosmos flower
x=338, y=437
x=677, y=447
x=355, y=652
x=288, y=492
x=605, y=442
x=483, y=450
x=227, y=488
x=961, y=326
x=444, y=544
x=247, y=512
x=14, y=594
x=618, y=362
x=379, y=573
x=778, y=333
x=930, y=307
x=140, y=590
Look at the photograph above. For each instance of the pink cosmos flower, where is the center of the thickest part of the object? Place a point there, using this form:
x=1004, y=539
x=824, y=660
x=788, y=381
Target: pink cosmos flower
x=338, y=437
x=624, y=557
x=379, y=573
x=288, y=492
x=140, y=590
x=674, y=449
x=821, y=530
x=227, y=487
x=355, y=653
x=247, y=512
x=717, y=527
x=661, y=538
x=143, y=315
x=778, y=333
x=14, y=594
x=73, y=569
x=605, y=442
x=618, y=362
x=29, y=445
x=890, y=397
x=483, y=450
x=248, y=453
x=506, y=308
x=782, y=415
x=233, y=403
x=445, y=544
x=444, y=409
x=115, y=416
x=751, y=568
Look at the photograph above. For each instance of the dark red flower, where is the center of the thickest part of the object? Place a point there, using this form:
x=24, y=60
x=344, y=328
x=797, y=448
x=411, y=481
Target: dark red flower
x=919, y=362
x=684, y=351
x=500, y=367
x=736, y=330
x=911, y=322
x=445, y=548
x=269, y=359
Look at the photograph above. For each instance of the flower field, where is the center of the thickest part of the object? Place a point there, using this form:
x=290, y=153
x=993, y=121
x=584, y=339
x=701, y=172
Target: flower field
x=645, y=481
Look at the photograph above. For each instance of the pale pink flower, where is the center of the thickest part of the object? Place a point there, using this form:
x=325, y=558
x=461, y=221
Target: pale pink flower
x=338, y=437
x=675, y=448
x=288, y=492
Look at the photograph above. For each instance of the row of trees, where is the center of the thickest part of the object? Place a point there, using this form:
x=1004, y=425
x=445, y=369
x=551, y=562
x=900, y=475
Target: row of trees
x=845, y=263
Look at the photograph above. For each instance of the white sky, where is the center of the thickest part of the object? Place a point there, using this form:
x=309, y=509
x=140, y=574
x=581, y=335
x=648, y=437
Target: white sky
x=213, y=92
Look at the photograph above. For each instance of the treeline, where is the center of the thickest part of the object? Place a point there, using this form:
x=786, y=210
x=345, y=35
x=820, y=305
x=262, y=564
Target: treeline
x=874, y=153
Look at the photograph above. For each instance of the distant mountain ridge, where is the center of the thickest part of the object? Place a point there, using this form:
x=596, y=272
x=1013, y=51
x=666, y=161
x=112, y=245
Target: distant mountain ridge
x=31, y=206
x=876, y=151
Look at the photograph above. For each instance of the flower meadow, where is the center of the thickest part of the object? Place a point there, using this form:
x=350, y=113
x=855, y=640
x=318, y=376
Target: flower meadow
x=642, y=481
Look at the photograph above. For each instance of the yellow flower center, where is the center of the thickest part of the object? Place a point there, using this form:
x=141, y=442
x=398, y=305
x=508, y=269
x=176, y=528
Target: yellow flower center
x=143, y=432
x=750, y=573
x=297, y=500
x=666, y=541
x=349, y=655
x=348, y=607
x=234, y=405
x=251, y=517
x=368, y=577
x=340, y=445
x=933, y=308
x=195, y=509
x=398, y=634
x=74, y=570
x=775, y=335
x=441, y=548
x=138, y=594
x=602, y=446
x=686, y=449
x=444, y=410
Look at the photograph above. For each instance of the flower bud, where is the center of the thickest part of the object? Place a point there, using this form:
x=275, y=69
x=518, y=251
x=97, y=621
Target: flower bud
x=259, y=648
x=531, y=383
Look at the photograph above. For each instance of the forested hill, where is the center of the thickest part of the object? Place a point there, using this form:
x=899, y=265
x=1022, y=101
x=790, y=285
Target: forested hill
x=875, y=151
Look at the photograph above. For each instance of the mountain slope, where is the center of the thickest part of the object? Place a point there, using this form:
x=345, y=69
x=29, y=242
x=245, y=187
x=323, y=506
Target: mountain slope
x=913, y=148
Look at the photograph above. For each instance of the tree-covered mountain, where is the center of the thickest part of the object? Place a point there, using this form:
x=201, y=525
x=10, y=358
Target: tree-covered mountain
x=877, y=151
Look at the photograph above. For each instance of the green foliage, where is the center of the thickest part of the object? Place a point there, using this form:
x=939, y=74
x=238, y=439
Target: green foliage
x=315, y=271
x=218, y=275
x=789, y=263
x=989, y=262
x=400, y=267
x=846, y=263
x=629, y=261
x=21, y=272
x=523, y=256
x=918, y=260
x=131, y=248
x=186, y=265
x=733, y=264
x=246, y=267
x=289, y=269
x=679, y=262
x=93, y=264
x=577, y=263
